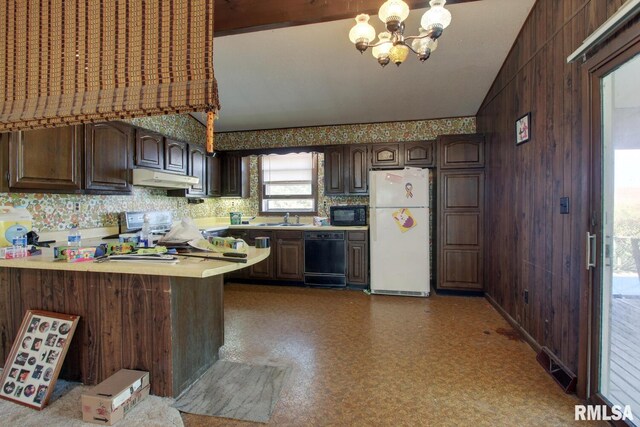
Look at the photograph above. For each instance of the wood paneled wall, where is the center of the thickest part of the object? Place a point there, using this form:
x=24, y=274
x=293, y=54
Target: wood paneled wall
x=530, y=245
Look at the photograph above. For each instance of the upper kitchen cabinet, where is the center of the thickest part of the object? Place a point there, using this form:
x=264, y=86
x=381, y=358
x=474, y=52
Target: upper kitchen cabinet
x=418, y=154
x=334, y=166
x=149, y=149
x=108, y=157
x=198, y=168
x=386, y=156
x=461, y=151
x=175, y=156
x=46, y=160
x=346, y=170
x=214, y=178
x=235, y=176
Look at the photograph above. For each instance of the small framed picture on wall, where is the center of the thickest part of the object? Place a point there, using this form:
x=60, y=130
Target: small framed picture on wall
x=523, y=129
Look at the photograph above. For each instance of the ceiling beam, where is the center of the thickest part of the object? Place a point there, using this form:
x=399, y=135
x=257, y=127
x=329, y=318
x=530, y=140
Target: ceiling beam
x=244, y=16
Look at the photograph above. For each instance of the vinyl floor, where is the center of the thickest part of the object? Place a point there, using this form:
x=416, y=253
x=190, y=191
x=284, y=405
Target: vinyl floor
x=360, y=360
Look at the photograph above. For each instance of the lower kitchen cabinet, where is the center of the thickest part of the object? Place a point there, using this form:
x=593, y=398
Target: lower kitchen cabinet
x=357, y=258
x=264, y=269
x=289, y=255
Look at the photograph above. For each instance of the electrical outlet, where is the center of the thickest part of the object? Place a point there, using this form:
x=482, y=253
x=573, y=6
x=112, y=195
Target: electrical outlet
x=526, y=296
x=76, y=206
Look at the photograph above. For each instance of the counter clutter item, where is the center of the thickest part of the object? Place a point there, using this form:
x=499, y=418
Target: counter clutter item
x=263, y=242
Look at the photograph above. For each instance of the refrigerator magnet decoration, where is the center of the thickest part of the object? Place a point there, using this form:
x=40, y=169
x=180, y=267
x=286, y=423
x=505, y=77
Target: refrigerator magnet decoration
x=409, y=189
x=404, y=219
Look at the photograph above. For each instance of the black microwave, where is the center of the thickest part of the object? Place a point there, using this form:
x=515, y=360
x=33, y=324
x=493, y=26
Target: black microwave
x=349, y=215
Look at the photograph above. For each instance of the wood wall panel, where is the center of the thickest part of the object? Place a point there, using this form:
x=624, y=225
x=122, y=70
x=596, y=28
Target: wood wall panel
x=536, y=249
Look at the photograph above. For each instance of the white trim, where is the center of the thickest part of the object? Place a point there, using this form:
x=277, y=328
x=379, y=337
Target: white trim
x=622, y=16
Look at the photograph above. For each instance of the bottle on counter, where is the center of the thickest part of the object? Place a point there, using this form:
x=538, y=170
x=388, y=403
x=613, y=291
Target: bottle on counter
x=74, y=239
x=145, y=233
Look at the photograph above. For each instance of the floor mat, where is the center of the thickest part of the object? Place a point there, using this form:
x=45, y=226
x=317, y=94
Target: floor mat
x=235, y=390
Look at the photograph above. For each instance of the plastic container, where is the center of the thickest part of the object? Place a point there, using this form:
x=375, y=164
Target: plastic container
x=235, y=218
x=74, y=239
x=14, y=222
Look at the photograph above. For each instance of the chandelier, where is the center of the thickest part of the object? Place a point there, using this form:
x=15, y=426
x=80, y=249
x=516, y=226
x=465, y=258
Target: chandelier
x=392, y=44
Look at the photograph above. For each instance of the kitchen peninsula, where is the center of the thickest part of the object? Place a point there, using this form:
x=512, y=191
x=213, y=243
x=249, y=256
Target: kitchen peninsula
x=165, y=319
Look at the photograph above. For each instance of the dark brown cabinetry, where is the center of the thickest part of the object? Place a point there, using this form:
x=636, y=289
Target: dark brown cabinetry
x=418, y=154
x=386, y=156
x=235, y=176
x=46, y=160
x=357, y=258
x=346, y=170
x=175, y=156
x=198, y=168
x=460, y=214
x=289, y=255
x=108, y=160
x=4, y=162
x=149, y=149
x=264, y=270
x=214, y=180
x=334, y=170
x=461, y=151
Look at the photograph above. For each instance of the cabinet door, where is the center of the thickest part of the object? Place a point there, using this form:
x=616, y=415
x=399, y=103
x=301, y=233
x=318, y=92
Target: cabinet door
x=334, y=169
x=235, y=179
x=460, y=230
x=175, y=156
x=264, y=269
x=418, y=153
x=289, y=255
x=149, y=149
x=46, y=159
x=357, y=258
x=358, y=169
x=198, y=168
x=4, y=162
x=214, y=180
x=386, y=155
x=108, y=155
x=461, y=151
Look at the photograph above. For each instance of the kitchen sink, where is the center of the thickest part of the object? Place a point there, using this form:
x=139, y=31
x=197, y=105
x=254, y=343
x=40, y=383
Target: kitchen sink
x=279, y=224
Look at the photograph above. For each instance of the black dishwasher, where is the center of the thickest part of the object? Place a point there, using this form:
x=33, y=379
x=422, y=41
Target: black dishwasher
x=325, y=256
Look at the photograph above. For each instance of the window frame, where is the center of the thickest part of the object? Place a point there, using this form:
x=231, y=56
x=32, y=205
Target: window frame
x=314, y=190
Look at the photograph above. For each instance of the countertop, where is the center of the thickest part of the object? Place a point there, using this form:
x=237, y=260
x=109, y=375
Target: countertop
x=304, y=227
x=187, y=267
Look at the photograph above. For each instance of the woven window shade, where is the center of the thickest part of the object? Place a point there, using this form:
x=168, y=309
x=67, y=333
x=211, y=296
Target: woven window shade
x=74, y=61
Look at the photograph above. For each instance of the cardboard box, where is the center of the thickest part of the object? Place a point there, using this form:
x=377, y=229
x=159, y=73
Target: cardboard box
x=111, y=400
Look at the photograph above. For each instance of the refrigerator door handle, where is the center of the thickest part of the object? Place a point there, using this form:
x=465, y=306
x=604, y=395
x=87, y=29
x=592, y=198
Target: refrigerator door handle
x=372, y=225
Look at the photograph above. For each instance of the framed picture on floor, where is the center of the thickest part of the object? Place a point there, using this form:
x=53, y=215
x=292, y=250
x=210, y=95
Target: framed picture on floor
x=34, y=363
x=523, y=129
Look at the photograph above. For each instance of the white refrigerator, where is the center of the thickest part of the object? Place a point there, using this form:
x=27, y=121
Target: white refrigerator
x=399, y=231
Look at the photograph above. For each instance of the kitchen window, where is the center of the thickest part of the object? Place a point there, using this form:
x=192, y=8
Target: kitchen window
x=288, y=183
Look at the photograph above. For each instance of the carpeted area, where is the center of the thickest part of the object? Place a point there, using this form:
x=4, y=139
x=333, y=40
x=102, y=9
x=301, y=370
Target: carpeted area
x=64, y=410
x=235, y=390
x=384, y=360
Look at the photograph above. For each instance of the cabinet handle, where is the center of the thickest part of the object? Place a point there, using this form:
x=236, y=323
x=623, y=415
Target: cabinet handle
x=591, y=250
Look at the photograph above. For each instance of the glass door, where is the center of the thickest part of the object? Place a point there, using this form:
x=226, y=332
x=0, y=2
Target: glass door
x=619, y=268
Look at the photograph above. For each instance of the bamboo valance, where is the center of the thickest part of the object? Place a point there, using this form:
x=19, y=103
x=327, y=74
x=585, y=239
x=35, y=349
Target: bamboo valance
x=74, y=61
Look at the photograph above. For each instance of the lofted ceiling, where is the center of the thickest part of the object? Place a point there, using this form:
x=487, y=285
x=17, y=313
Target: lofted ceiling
x=312, y=75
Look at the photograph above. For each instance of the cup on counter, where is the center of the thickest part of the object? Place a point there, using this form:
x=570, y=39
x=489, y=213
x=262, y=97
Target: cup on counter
x=235, y=218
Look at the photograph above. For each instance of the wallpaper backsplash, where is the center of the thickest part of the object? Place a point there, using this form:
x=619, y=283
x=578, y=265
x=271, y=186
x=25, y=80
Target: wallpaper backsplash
x=55, y=212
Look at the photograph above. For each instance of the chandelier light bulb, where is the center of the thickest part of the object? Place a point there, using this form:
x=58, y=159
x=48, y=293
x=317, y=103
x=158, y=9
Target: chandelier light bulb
x=437, y=18
x=398, y=54
x=393, y=13
x=384, y=46
x=362, y=33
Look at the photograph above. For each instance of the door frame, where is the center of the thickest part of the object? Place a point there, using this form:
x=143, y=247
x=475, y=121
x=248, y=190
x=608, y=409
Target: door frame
x=612, y=55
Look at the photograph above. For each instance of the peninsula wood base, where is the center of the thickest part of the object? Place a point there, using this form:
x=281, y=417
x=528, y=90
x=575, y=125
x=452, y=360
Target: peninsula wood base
x=172, y=327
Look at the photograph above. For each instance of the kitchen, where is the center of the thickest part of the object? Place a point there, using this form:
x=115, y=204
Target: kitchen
x=504, y=215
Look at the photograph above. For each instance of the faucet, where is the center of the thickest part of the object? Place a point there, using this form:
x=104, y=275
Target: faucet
x=286, y=218
x=297, y=219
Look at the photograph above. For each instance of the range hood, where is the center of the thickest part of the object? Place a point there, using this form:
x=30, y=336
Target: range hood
x=153, y=178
